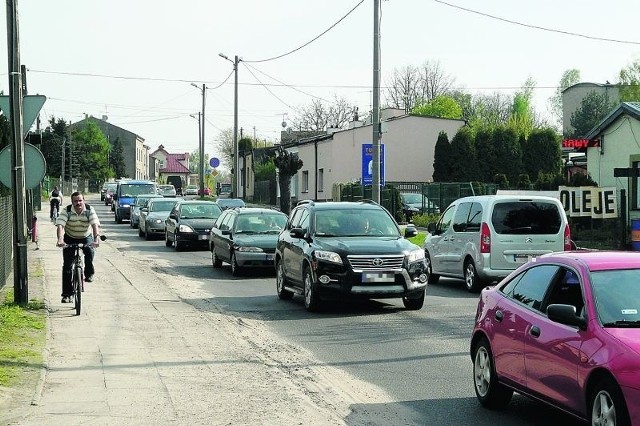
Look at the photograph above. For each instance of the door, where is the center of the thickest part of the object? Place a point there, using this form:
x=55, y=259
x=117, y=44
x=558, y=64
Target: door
x=438, y=244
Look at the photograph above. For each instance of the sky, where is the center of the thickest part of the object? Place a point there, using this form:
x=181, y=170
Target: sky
x=134, y=61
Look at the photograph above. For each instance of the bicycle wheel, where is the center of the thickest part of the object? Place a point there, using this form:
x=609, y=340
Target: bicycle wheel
x=77, y=289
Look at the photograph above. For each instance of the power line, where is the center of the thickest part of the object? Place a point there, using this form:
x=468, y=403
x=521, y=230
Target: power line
x=266, y=88
x=310, y=41
x=537, y=27
x=287, y=85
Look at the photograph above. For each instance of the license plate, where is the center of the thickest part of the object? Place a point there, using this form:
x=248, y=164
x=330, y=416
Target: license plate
x=522, y=258
x=203, y=237
x=377, y=277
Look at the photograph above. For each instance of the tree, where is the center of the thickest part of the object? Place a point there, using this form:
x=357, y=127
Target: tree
x=442, y=158
x=194, y=162
x=490, y=110
x=288, y=165
x=522, y=115
x=116, y=159
x=541, y=153
x=463, y=156
x=485, y=149
x=225, y=147
x=508, y=152
x=441, y=106
x=410, y=86
x=52, y=144
x=90, y=152
x=630, y=81
x=593, y=108
x=320, y=115
x=569, y=78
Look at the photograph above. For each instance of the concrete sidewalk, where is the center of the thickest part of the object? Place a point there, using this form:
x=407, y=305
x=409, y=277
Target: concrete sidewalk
x=140, y=354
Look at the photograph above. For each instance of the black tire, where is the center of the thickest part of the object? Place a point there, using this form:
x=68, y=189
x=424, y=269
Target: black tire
x=489, y=391
x=118, y=219
x=147, y=236
x=235, y=268
x=215, y=260
x=471, y=279
x=178, y=245
x=167, y=241
x=281, y=282
x=431, y=277
x=77, y=289
x=607, y=404
x=311, y=299
x=414, y=304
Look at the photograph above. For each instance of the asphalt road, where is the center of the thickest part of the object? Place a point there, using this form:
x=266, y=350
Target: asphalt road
x=420, y=358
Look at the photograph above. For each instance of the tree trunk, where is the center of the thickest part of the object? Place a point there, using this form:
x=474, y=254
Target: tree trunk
x=285, y=193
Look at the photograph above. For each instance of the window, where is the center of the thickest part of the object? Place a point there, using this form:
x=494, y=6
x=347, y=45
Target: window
x=445, y=221
x=320, y=180
x=161, y=164
x=635, y=188
x=305, y=181
x=530, y=287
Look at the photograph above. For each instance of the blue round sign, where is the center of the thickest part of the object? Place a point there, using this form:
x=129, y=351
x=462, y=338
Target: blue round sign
x=214, y=162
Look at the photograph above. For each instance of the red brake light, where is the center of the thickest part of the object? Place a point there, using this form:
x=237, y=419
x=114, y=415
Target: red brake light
x=485, y=238
x=567, y=238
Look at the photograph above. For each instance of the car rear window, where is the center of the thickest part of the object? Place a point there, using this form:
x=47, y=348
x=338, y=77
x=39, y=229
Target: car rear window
x=526, y=217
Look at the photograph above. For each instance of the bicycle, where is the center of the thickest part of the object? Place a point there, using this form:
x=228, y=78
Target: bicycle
x=77, y=274
x=54, y=214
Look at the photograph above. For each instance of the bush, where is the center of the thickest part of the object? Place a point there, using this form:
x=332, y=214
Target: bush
x=423, y=220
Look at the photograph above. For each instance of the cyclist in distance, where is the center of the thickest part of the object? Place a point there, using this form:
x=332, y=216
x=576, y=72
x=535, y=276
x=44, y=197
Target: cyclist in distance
x=55, y=200
x=77, y=224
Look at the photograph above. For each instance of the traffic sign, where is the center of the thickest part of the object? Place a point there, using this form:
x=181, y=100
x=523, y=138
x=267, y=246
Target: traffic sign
x=34, y=170
x=31, y=106
x=214, y=162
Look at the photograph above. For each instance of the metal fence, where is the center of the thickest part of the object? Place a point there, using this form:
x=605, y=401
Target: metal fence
x=6, y=238
x=443, y=194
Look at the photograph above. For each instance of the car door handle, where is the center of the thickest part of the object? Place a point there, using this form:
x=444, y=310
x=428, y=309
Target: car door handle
x=535, y=331
x=499, y=316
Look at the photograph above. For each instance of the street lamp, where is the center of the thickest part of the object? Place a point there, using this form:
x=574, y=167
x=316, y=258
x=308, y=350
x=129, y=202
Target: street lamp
x=201, y=140
x=234, y=186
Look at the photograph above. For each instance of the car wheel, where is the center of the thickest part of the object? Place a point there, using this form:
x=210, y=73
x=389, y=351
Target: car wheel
x=235, y=268
x=179, y=246
x=471, y=278
x=311, y=299
x=147, y=236
x=281, y=282
x=140, y=233
x=215, y=260
x=489, y=391
x=167, y=241
x=432, y=278
x=415, y=303
x=607, y=404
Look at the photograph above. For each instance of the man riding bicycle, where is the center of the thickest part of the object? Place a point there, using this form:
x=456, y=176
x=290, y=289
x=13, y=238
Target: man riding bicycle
x=78, y=224
x=55, y=200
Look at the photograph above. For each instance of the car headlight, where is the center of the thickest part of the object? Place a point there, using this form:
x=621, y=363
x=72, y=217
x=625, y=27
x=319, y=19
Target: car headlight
x=125, y=206
x=157, y=221
x=415, y=255
x=185, y=228
x=328, y=256
x=248, y=249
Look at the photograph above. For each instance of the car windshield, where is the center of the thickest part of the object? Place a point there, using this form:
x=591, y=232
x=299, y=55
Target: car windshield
x=617, y=297
x=200, y=211
x=230, y=202
x=140, y=201
x=260, y=223
x=131, y=190
x=112, y=187
x=161, y=206
x=413, y=198
x=355, y=223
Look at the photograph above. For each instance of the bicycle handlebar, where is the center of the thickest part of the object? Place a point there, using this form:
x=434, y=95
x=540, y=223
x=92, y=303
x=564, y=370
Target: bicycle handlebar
x=82, y=245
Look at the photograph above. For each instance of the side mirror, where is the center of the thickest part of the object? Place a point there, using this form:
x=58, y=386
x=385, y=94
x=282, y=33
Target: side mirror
x=297, y=233
x=225, y=232
x=431, y=228
x=566, y=314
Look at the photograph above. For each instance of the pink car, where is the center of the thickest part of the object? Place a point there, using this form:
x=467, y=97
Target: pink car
x=564, y=329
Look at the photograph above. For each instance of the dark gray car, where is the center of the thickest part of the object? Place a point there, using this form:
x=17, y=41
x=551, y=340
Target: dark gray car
x=189, y=223
x=246, y=238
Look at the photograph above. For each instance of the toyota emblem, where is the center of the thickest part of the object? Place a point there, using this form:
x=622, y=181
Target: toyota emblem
x=377, y=262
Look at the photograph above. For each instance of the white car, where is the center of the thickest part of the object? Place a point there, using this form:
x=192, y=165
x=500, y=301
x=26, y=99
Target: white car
x=191, y=190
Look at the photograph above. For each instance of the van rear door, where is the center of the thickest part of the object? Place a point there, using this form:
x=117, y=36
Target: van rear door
x=523, y=229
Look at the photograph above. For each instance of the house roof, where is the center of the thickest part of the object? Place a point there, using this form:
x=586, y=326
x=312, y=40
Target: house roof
x=173, y=164
x=629, y=108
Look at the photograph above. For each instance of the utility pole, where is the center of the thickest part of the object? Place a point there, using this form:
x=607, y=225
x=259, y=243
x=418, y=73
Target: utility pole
x=235, y=174
x=201, y=140
x=375, y=120
x=20, y=272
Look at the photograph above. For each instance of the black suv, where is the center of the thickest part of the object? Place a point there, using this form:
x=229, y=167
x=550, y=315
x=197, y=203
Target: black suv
x=348, y=249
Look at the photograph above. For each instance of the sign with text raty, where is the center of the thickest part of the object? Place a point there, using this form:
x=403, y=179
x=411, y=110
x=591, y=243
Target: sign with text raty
x=367, y=164
x=589, y=201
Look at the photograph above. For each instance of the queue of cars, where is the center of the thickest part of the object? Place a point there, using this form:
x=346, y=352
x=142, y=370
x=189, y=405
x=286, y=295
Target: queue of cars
x=560, y=326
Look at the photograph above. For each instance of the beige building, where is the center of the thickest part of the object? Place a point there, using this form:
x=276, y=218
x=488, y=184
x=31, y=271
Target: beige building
x=408, y=140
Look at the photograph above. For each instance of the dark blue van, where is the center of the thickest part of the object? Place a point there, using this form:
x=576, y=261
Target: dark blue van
x=126, y=191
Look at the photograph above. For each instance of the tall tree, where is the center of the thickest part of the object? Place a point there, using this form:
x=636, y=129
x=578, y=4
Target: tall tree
x=568, y=79
x=593, y=108
x=90, y=152
x=116, y=159
x=403, y=88
x=288, y=165
x=441, y=106
x=508, y=152
x=53, y=138
x=522, y=114
x=194, y=161
x=434, y=81
x=442, y=158
x=541, y=153
x=485, y=150
x=630, y=81
x=464, y=165
x=320, y=115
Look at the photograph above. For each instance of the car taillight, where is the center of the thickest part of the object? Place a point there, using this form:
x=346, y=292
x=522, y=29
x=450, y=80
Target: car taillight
x=567, y=238
x=485, y=238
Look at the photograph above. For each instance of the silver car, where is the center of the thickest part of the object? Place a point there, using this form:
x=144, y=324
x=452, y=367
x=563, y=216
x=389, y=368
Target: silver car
x=137, y=204
x=153, y=214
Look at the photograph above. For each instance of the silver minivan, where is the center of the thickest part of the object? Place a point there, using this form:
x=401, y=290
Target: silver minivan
x=482, y=239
